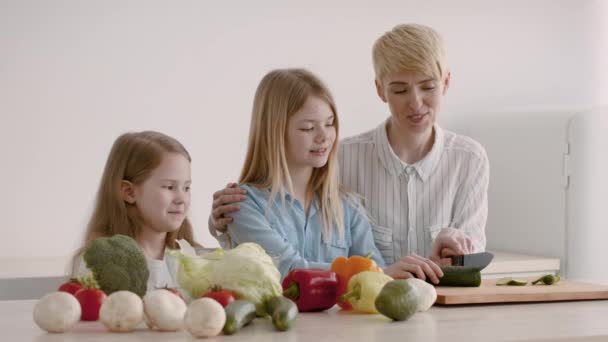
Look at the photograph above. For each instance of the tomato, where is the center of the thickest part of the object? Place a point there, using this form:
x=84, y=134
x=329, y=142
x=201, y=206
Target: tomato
x=90, y=302
x=71, y=287
x=224, y=297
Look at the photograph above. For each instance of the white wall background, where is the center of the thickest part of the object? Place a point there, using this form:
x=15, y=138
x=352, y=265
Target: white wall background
x=76, y=74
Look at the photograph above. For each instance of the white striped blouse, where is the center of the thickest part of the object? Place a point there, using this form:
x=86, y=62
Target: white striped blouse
x=409, y=204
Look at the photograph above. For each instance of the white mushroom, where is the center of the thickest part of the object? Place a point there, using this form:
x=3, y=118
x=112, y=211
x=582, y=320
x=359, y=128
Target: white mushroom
x=122, y=311
x=57, y=312
x=205, y=317
x=164, y=310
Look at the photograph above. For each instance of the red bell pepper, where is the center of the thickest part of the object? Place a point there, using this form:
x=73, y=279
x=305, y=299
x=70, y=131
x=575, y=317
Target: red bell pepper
x=311, y=289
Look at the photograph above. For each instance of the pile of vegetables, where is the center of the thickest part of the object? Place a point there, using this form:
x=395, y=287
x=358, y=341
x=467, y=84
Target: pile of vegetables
x=111, y=292
x=363, y=288
x=229, y=290
x=163, y=310
x=346, y=268
x=88, y=295
x=246, y=270
x=117, y=266
x=234, y=287
x=375, y=292
x=356, y=283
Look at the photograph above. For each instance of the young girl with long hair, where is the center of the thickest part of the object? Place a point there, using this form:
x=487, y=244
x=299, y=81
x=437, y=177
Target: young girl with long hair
x=294, y=207
x=144, y=193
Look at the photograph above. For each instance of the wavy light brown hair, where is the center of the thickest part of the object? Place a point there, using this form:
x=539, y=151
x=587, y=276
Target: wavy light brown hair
x=132, y=158
x=280, y=94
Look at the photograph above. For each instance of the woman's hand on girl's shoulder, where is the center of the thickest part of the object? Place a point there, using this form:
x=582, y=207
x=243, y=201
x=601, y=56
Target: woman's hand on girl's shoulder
x=226, y=201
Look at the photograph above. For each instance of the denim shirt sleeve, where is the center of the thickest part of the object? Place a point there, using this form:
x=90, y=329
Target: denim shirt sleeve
x=251, y=225
x=361, y=232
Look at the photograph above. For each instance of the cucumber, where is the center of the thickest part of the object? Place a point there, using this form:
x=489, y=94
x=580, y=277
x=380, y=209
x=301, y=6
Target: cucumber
x=459, y=276
x=238, y=314
x=511, y=282
x=398, y=300
x=283, y=312
x=547, y=279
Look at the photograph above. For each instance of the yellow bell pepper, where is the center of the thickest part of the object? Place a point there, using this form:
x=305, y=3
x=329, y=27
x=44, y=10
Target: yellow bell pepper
x=363, y=288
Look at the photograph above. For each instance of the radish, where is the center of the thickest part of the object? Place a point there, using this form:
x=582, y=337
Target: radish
x=205, y=317
x=57, y=312
x=122, y=311
x=164, y=310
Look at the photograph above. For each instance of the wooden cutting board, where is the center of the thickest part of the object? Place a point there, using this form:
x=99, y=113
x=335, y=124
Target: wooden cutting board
x=488, y=292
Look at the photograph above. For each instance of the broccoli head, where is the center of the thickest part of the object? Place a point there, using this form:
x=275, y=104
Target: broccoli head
x=118, y=264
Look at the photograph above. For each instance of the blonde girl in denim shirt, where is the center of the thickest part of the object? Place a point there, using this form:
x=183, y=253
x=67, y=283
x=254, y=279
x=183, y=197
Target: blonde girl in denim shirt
x=294, y=206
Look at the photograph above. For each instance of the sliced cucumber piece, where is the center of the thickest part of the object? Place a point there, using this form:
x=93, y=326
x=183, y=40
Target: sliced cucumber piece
x=509, y=281
x=547, y=279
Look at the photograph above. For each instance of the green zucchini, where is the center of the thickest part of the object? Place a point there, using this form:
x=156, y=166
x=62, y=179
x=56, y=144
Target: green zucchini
x=283, y=312
x=459, y=276
x=238, y=314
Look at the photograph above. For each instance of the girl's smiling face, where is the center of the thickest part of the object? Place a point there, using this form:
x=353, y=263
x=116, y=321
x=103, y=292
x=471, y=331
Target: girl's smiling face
x=310, y=135
x=163, y=199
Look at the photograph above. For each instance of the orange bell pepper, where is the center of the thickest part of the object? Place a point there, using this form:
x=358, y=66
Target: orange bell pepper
x=346, y=268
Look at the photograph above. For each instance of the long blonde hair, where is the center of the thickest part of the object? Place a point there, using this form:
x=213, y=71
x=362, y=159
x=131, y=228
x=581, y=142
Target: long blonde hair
x=132, y=157
x=280, y=94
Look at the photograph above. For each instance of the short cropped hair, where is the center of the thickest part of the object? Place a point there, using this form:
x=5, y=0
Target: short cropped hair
x=410, y=47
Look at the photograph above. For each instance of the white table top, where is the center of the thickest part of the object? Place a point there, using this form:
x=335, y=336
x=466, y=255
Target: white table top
x=521, y=322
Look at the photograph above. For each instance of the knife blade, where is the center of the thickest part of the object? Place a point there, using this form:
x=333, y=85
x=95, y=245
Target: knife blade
x=475, y=260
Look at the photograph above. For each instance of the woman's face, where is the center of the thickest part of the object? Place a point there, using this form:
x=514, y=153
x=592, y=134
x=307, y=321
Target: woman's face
x=311, y=133
x=413, y=99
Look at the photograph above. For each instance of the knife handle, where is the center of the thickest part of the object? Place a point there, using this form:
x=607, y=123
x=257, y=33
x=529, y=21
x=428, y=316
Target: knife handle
x=458, y=260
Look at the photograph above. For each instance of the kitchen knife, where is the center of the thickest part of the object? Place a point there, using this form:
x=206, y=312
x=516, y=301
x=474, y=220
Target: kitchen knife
x=476, y=260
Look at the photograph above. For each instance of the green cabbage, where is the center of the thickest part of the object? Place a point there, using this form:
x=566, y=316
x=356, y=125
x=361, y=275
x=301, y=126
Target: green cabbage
x=245, y=270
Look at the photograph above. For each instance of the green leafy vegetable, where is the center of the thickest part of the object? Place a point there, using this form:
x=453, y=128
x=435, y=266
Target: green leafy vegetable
x=245, y=270
x=117, y=264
